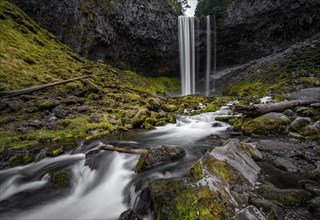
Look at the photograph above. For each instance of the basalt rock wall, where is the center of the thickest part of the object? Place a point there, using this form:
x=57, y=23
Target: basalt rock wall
x=250, y=29
x=131, y=34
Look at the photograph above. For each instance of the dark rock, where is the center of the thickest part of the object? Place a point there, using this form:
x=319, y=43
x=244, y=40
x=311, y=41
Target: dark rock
x=84, y=109
x=264, y=28
x=313, y=188
x=14, y=106
x=159, y=155
x=217, y=125
x=306, y=112
x=3, y=106
x=269, y=208
x=315, y=175
x=31, y=110
x=60, y=111
x=287, y=197
x=49, y=118
x=296, y=135
x=288, y=112
x=314, y=206
x=129, y=215
x=127, y=33
x=61, y=179
x=285, y=164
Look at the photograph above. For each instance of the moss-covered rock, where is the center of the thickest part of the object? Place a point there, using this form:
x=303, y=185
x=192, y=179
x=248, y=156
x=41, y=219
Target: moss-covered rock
x=159, y=155
x=287, y=197
x=268, y=124
x=228, y=119
x=61, y=179
x=21, y=159
x=54, y=151
x=180, y=199
x=169, y=107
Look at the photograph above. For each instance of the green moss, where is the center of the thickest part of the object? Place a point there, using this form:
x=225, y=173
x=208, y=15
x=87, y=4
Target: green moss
x=169, y=107
x=60, y=179
x=172, y=199
x=228, y=119
x=141, y=160
x=210, y=108
x=290, y=197
x=265, y=126
x=53, y=152
x=21, y=159
x=247, y=89
x=196, y=170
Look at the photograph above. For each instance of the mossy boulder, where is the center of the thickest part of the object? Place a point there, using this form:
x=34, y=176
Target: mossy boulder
x=159, y=155
x=287, y=197
x=169, y=107
x=315, y=175
x=21, y=159
x=228, y=119
x=268, y=124
x=140, y=117
x=154, y=104
x=61, y=179
x=54, y=151
x=183, y=199
x=301, y=125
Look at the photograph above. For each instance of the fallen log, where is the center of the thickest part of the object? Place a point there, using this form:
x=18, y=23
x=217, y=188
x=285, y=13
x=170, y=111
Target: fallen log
x=117, y=149
x=261, y=109
x=36, y=88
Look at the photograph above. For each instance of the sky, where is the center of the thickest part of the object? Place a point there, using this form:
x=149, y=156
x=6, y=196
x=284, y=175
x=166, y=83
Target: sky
x=192, y=4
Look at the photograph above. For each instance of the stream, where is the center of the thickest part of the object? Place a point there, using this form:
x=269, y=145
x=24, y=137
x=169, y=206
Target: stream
x=112, y=186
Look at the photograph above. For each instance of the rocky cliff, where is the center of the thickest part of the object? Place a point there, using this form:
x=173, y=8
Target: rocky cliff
x=250, y=29
x=128, y=33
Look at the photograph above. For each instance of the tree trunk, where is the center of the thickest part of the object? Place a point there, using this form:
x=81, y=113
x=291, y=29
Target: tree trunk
x=117, y=149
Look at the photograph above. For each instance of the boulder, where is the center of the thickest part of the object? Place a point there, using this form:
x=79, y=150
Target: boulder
x=129, y=215
x=249, y=213
x=268, y=124
x=314, y=207
x=299, y=123
x=159, y=155
x=285, y=164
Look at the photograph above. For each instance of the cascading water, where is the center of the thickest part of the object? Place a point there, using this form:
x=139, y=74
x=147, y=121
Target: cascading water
x=194, y=77
x=111, y=186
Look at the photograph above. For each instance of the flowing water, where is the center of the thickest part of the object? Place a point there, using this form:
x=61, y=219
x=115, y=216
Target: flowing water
x=194, y=78
x=112, y=186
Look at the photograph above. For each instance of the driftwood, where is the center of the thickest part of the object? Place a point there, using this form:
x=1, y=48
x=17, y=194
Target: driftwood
x=117, y=149
x=260, y=109
x=36, y=88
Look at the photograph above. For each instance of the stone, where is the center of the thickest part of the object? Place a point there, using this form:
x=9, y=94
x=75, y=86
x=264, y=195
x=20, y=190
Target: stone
x=288, y=113
x=299, y=123
x=268, y=124
x=314, y=206
x=60, y=179
x=3, y=106
x=315, y=174
x=84, y=109
x=270, y=209
x=296, y=135
x=249, y=213
x=312, y=94
x=313, y=188
x=96, y=118
x=305, y=112
x=129, y=215
x=287, y=197
x=60, y=111
x=159, y=155
x=285, y=164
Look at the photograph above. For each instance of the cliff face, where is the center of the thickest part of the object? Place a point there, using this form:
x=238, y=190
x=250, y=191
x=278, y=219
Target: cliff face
x=127, y=33
x=250, y=29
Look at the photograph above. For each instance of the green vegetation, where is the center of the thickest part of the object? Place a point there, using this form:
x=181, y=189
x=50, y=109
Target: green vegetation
x=60, y=179
x=209, y=7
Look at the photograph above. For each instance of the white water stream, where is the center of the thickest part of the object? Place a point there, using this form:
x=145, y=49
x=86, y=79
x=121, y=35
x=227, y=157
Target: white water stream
x=99, y=193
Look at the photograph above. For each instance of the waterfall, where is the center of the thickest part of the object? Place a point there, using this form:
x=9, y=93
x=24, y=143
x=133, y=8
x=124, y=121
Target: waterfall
x=187, y=54
x=195, y=75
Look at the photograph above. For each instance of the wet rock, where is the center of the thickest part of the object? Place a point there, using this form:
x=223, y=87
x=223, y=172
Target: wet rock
x=61, y=179
x=129, y=215
x=299, y=123
x=285, y=164
x=49, y=118
x=217, y=125
x=309, y=130
x=140, y=117
x=314, y=206
x=268, y=124
x=306, y=112
x=249, y=213
x=159, y=155
x=287, y=197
